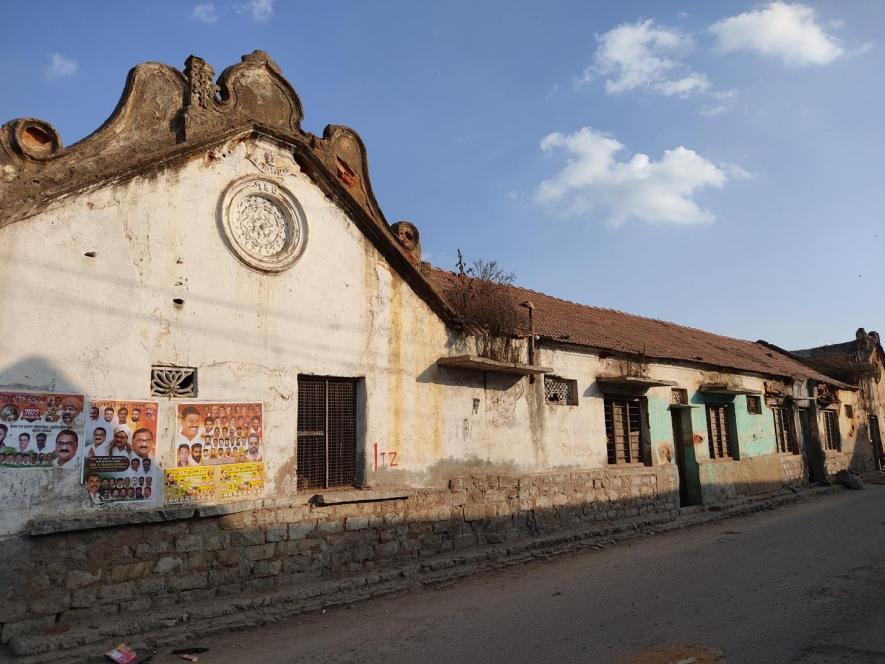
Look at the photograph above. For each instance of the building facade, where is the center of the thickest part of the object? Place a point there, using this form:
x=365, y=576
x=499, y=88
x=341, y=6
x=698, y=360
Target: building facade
x=202, y=261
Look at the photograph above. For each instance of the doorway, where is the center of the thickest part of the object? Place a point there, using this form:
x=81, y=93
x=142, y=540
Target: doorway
x=809, y=443
x=326, y=432
x=686, y=464
x=876, y=439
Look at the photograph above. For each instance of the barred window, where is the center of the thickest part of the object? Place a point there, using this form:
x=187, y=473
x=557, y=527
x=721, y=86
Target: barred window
x=849, y=412
x=718, y=431
x=754, y=405
x=561, y=391
x=623, y=430
x=832, y=439
x=784, y=431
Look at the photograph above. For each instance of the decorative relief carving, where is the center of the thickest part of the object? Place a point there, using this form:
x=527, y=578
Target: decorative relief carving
x=263, y=224
x=259, y=226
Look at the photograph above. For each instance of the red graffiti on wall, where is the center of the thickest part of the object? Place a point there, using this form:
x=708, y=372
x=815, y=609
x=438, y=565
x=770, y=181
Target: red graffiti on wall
x=383, y=459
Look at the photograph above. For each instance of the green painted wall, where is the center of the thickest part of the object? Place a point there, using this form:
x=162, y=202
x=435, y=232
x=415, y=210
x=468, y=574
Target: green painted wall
x=659, y=421
x=755, y=432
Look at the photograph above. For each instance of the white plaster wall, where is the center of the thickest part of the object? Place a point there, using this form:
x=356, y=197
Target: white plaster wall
x=95, y=325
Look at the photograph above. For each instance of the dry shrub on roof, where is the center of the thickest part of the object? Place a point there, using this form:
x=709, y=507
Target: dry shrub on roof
x=480, y=295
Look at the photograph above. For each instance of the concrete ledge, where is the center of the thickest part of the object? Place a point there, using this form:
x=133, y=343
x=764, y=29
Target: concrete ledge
x=359, y=496
x=110, y=517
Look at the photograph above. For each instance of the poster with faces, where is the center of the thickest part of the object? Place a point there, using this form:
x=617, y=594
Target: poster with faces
x=120, y=450
x=41, y=430
x=219, y=450
x=219, y=433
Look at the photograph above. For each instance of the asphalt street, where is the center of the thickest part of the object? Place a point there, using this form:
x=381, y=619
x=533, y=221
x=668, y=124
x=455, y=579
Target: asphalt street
x=804, y=583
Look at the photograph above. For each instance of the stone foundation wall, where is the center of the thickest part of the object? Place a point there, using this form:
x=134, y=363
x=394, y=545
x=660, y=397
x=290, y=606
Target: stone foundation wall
x=730, y=479
x=84, y=577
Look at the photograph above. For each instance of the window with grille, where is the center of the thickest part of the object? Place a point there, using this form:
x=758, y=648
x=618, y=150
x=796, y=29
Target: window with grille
x=326, y=432
x=561, y=391
x=754, y=405
x=831, y=430
x=623, y=430
x=784, y=431
x=849, y=412
x=718, y=431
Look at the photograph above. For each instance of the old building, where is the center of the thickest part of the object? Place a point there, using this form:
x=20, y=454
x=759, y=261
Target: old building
x=859, y=363
x=211, y=331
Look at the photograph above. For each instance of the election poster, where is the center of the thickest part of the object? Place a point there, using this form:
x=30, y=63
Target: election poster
x=210, y=434
x=190, y=485
x=219, y=450
x=120, y=450
x=240, y=480
x=41, y=430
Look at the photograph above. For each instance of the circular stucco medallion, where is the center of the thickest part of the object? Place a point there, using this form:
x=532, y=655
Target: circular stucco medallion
x=263, y=224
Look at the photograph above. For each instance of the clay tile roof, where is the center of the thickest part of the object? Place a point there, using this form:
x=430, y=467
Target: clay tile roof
x=619, y=332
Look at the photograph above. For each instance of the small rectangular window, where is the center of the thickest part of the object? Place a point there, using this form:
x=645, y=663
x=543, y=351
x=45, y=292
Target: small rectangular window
x=849, y=412
x=832, y=439
x=561, y=391
x=754, y=405
x=718, y=431
x=784, y=431
x=623, y=430
x=173, y=382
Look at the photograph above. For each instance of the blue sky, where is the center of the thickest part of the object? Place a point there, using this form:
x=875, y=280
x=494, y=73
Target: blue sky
x=712, y=164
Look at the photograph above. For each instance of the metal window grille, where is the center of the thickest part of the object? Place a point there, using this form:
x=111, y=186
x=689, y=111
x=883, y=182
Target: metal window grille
x=831, y=431
x=718, y=432
x=679, y=396
x=784, y=431
x=560, y=391
x=326, y=432
x=623, y=430
x=754, y=405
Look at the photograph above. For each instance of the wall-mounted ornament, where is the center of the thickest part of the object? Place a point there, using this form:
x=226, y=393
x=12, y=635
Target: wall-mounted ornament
x=172, y=382
x=262, y=223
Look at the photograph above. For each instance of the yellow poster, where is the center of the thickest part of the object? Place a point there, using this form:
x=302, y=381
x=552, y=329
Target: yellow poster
x=191, y=484
x=240, y=480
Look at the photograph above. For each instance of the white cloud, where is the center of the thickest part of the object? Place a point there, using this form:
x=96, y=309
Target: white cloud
x=713, y=111
x=657, y=192
x=205, y=12
x=643, y=55
x=787, y=31
x=261, y=10
x=60, y=66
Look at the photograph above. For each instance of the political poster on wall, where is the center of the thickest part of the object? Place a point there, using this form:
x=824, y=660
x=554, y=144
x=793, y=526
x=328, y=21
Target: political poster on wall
x=120, y=450
x=41, y=430
x=211, y=434
x=225, y=438
x=240, y=480
x=190, y=485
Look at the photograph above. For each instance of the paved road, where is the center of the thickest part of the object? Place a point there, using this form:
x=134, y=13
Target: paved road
x=805, y=583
